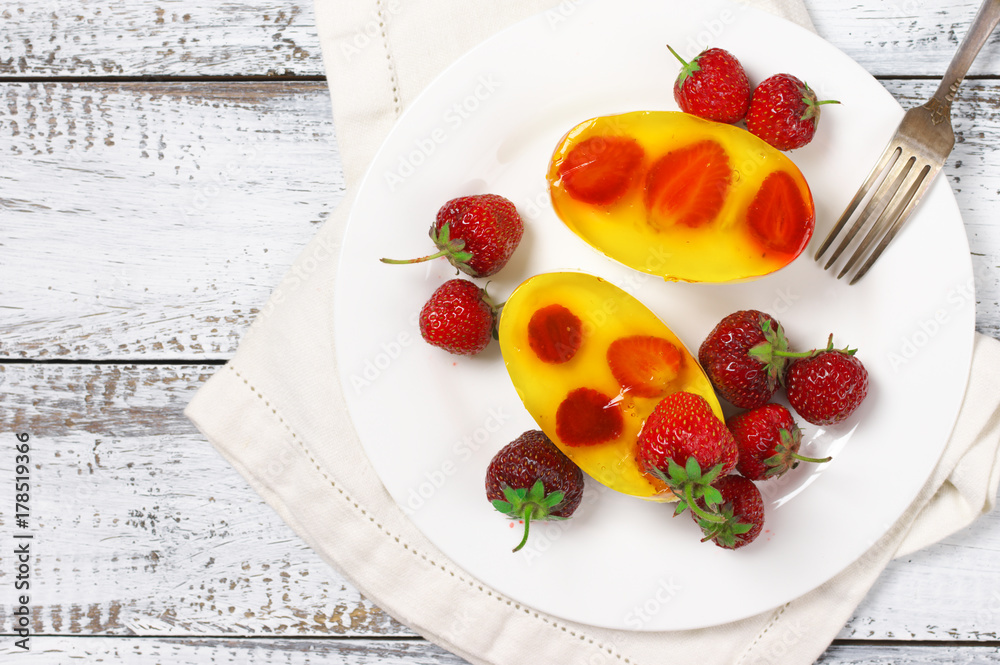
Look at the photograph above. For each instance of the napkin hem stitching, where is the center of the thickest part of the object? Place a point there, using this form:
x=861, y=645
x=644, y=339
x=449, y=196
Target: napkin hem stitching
x=761, y=634
x=472, y=583
x=393, y=78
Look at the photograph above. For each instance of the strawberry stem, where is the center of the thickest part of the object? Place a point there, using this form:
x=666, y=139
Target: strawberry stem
x=527, y=523
x=436, y=255
x=713, y=517
x=687, y=68
x=815, y=460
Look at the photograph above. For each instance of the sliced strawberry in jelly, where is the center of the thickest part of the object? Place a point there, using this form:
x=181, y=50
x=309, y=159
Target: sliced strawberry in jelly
x=688, y=186
x=555, y=334
x=588, y=417
x=779, y=217
x=601, y=169
x=644, y=365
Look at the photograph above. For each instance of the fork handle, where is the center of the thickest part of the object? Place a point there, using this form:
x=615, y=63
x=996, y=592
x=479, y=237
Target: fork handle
x=981, y=29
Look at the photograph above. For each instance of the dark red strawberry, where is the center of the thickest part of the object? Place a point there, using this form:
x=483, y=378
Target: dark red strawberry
x=713, y=86
x=741, y=357
x=644, y=365
x=601, y=169
x=688, y=186
x=784, y=112
x=780, y=217
x=531, y=479
x=685, y=444
x=459, y=318
x=826, y=386
x=768, y=440
x=587, y=417
x=555, y=334
x=741, y=509
x=477, y=234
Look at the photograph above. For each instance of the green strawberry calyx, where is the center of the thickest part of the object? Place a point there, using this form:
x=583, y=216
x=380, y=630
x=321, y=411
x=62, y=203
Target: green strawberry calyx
x=812, y=104
x=786, y=453
x=772, y=352
x=453, y=249
x=724, y=531
x=687, y=68
x=693, y=488
x=529, y=504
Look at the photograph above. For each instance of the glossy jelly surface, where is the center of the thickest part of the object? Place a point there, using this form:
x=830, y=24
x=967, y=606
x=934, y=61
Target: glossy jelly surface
x=590, y=362
x=687, y=199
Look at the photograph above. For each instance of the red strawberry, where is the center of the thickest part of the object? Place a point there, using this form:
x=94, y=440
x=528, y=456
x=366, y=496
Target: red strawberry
x=688, y=185
x=780, y=217
x=459, y=317
x=713, y=86
x=768, y=440
x=741, y=510
x=644, y=365
x=826, y=386
x=477, y=234
x=685, y=444
x=784, y=112
x=531, y=479
x=555, y=334
x=742, y=357
x=601, y=169
x=587, y=417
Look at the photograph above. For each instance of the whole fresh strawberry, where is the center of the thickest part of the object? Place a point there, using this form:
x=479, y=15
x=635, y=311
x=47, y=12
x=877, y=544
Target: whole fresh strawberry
x=477, y=234
x=784, y=112
x=684, y=443
x=741, y=510
x=459, y=317
x=742, y=357
x=826, y=386
x=531, y=479
x=713, y=86
x=768, y=440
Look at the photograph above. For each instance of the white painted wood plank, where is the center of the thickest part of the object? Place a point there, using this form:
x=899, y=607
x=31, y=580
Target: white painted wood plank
x=142, y=529
x=163, y=38
x=154, y=219
x=59, y=650
x=191, y=203
x=46, y=38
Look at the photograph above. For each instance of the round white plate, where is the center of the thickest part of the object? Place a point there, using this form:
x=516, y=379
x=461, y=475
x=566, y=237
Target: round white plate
x=430, y=422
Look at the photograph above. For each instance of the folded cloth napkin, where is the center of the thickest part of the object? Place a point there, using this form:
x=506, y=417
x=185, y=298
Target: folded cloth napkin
x=277, y=411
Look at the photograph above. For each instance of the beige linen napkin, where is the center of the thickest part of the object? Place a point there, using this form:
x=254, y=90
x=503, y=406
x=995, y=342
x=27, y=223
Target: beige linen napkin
x=277, y=412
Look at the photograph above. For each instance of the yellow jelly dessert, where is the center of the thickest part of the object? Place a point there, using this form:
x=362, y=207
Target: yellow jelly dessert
x=688, y=199
x=590, y=362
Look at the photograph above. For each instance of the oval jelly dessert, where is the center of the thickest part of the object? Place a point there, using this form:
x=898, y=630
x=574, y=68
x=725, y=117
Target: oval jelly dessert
x=684, y=198
x=590, y=362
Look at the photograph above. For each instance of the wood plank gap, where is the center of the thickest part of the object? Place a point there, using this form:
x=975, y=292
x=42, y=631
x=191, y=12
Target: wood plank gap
x=170, y=362
x=985, y=644
x=227, y=78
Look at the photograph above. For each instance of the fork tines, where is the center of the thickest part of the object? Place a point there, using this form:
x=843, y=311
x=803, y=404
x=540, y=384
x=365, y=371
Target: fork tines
x=899, y=178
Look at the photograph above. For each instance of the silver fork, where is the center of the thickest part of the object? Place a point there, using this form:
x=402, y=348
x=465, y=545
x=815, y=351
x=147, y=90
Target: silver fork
x=915, y=154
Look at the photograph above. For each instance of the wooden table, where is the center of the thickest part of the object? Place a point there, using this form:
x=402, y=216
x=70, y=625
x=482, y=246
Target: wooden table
x=162, y=165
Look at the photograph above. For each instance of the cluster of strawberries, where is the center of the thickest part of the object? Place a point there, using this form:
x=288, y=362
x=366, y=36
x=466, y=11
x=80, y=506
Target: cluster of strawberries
x=711, y=466
x=781, y=110
x=477, y=234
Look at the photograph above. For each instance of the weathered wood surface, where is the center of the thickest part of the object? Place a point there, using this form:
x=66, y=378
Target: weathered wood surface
x=49, y=38
x=191, y=202
x=141, y=528
x=156, y=651
x=152, y=219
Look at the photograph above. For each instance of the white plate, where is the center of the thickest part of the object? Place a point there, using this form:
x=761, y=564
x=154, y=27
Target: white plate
x=430, y=422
